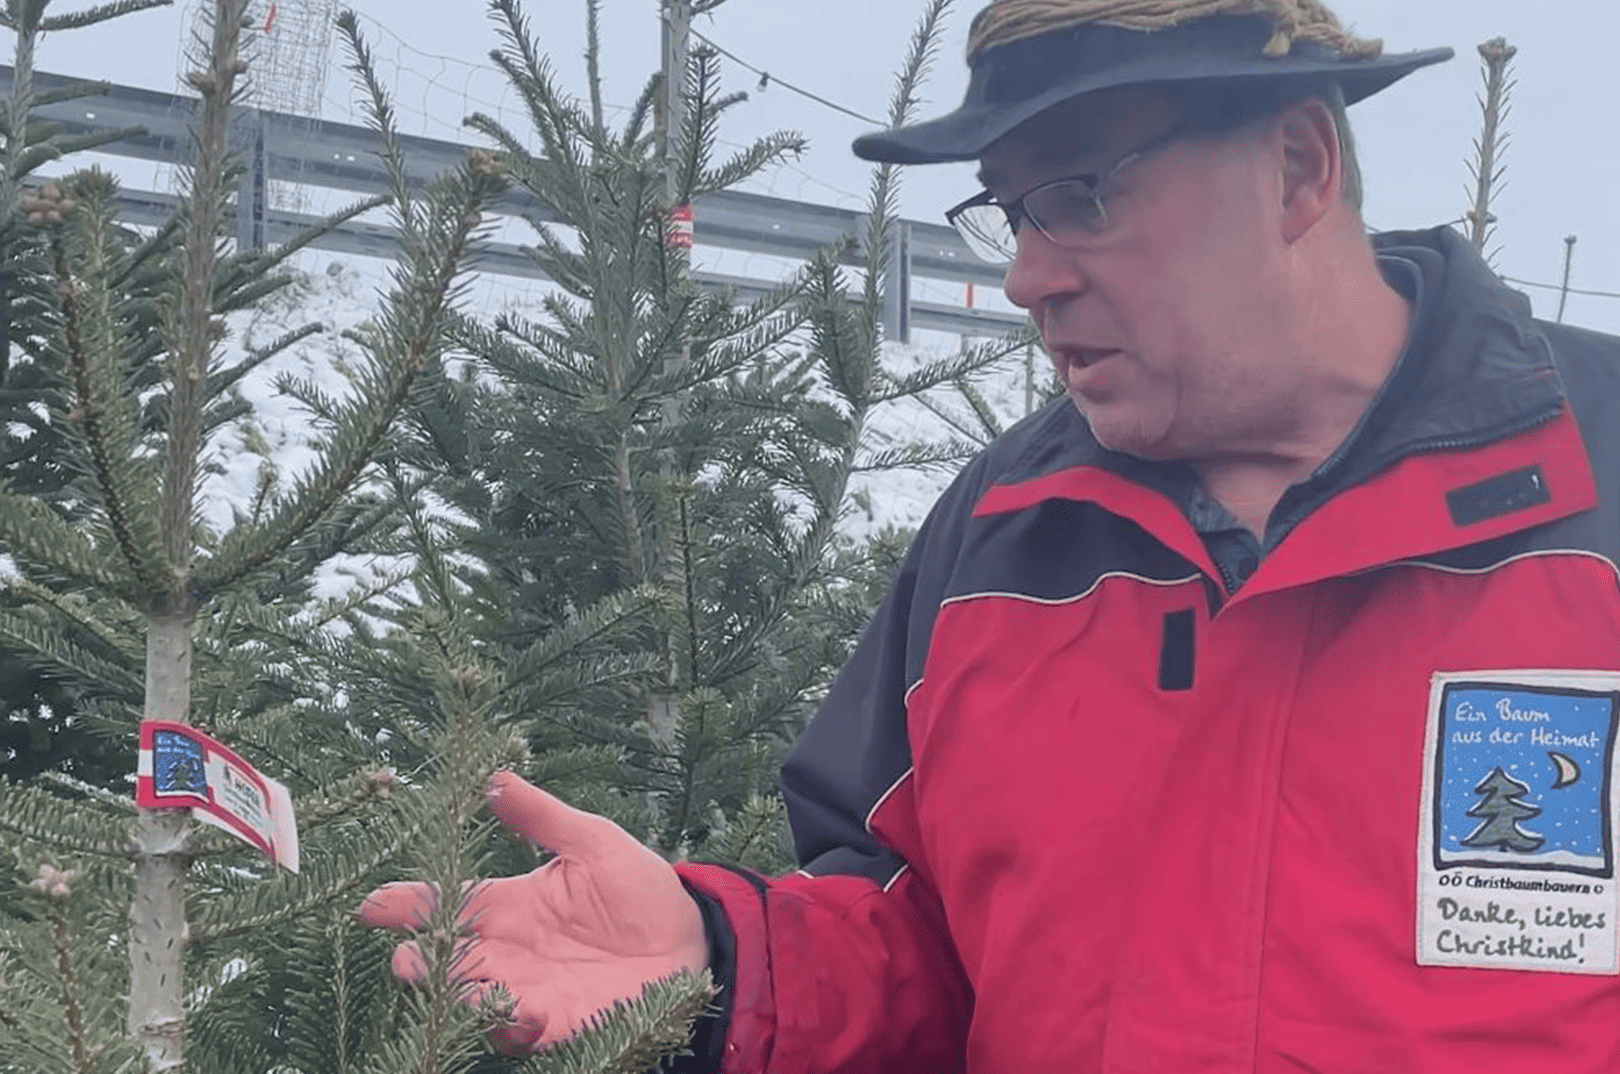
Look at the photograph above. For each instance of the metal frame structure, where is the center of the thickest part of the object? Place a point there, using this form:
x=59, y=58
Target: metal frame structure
x=288, y=46
x=281, y=147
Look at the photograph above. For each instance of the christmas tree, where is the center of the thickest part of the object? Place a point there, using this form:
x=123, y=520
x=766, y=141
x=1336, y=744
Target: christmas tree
x=148, y=613
x=1502, y=810
x=637, y=441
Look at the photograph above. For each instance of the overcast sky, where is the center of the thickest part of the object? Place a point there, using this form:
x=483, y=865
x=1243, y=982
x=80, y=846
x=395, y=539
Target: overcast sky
x=1563, y=167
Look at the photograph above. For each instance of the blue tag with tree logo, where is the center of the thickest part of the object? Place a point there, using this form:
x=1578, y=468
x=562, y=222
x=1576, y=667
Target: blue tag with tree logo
x=1516, y=835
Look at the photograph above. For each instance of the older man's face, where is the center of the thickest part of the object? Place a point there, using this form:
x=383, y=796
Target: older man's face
x=1161, y=331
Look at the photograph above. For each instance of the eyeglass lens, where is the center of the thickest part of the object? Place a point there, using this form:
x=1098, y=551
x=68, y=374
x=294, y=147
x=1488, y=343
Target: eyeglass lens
x=987, y=232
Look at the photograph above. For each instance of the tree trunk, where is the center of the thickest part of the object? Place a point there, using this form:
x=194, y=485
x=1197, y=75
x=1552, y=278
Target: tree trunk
x=157, y=915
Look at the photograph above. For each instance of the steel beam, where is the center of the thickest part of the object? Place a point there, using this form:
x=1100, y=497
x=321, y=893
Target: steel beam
x=279, y=147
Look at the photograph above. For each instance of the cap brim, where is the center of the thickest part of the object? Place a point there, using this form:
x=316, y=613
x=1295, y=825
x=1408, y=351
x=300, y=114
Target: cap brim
x=1006, y=88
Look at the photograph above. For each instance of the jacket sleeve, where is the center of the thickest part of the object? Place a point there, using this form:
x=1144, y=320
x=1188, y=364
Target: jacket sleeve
x=847, y=965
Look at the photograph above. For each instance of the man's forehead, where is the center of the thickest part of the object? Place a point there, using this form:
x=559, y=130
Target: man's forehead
x=1093, y=127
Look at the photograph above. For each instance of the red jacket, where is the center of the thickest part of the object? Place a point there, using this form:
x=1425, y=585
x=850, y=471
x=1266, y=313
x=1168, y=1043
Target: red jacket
x=1076, y=805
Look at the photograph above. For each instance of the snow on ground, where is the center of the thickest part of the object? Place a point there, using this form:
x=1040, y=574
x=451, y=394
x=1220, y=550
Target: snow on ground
x=342, y=293
x=277, y=435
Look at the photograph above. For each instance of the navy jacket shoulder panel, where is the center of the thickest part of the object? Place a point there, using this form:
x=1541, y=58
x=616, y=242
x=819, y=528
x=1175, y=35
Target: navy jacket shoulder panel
x=1588, y=368
x=855, y=751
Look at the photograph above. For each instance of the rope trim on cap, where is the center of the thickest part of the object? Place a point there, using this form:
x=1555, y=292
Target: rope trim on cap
x=1006, y=21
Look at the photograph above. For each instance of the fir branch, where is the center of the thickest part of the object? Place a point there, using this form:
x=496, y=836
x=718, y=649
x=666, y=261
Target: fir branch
x=882, y=203
x=575, y=766
x=921, y=456
x=69, y=659
x=101, y=412
x=338, y=1009
x=55, y=147
x=55, y=822
x=256, y=263
x=635, y=127
x=73, y=91
x=411, y=335
x=100, y=13
x=956, y=368
x=555, y=117
x=34, y=533
x=148, y=256
x=83, y=615
x=373, y=784
x=380, y=113
x=68, y=980
x=770, y=150
x=103, y=797
x=564, y=646
x=224, y=379
x=635, y=1035
x=23, y=19
x=323, y=878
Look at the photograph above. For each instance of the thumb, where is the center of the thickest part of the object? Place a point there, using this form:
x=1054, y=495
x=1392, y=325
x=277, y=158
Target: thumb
x=547, y=820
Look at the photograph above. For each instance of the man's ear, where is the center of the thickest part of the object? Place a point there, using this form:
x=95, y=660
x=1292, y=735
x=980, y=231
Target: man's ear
x=1312, y=171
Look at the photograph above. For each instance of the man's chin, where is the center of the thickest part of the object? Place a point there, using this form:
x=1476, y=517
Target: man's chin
x=1123, y=436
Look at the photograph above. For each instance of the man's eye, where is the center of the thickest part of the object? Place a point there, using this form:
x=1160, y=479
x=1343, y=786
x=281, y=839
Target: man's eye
x=1068, y=202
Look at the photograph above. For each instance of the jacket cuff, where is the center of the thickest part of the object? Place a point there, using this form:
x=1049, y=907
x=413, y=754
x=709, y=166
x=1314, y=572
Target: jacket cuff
x=709, y=1032
x=740, y=1037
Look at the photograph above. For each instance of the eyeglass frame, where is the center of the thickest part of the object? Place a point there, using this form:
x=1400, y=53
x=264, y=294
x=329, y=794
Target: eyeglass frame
x=1017, y=212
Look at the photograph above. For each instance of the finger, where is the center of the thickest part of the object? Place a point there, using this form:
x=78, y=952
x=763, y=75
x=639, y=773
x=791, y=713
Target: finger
x=408, y=963
x=542, y=818
x=399, y=906
x=517, y=1037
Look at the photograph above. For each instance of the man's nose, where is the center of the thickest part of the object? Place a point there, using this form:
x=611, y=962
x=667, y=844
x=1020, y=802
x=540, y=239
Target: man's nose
x=1041, y=271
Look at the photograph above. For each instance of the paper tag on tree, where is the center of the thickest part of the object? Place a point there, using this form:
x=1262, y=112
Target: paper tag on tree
x=180, y=767
x=680, y=228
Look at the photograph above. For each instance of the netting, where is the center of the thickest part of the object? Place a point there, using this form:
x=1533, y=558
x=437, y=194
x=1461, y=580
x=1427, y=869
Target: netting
x=288, y=48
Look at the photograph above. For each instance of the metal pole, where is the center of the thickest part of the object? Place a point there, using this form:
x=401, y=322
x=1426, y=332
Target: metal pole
x=253, y=194
x=897, y=285
x=1569, y=259
x=1029, y=379
x=677, y=42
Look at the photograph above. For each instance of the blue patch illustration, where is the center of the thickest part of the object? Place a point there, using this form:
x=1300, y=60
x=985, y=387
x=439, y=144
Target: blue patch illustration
x=1523, y=778
x=177, y=765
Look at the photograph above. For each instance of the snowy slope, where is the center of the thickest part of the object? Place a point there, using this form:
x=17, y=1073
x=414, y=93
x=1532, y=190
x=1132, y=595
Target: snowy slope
x=342, y=293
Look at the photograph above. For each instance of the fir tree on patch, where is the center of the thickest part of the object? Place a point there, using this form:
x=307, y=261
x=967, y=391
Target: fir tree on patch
x=1502, y=811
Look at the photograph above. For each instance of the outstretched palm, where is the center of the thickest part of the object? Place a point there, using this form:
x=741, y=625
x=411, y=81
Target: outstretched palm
x=569, y=939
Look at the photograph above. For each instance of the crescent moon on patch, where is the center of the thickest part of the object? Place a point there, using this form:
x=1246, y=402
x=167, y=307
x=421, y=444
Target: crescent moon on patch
x=1568, y=770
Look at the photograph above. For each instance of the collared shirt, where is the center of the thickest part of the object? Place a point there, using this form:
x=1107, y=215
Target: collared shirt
x=1235, y=550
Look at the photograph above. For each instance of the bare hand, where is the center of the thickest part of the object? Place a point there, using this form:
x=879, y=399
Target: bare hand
x=591, y=927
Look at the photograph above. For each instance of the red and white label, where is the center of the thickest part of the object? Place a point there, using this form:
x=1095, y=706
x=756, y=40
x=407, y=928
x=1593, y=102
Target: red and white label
x=681, y=228
x=179, y=767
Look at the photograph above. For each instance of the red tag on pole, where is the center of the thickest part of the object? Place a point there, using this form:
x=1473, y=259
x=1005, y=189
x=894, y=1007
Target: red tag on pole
x=179, y=767
x=680, y=228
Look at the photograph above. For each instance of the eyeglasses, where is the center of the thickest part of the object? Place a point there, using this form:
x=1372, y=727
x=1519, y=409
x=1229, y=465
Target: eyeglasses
x=1069, y=211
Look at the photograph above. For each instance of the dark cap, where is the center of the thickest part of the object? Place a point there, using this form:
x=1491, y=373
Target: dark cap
x=1012, y=83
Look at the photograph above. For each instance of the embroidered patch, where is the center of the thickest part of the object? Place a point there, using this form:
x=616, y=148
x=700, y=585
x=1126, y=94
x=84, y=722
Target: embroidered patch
x=1516, y=855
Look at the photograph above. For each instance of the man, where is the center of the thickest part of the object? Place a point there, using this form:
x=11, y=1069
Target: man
x=1255, y=712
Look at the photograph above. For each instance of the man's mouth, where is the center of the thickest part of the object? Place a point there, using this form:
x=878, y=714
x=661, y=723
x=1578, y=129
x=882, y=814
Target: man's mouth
x=1081, y=357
